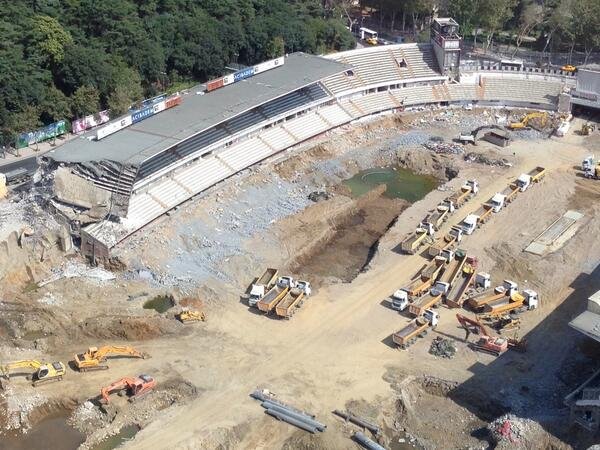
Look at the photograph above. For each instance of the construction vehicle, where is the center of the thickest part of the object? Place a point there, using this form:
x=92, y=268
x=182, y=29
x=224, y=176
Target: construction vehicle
x=136, y=388
x=293, y=299
x=262, y=284
x=191, y=316
x=471, y=187
x=476, y=219
x=428, y=300
x=268, y=303
x=486, y=343
x=478, y=302
x=527, y=179
x=42, y=372
x=510, y=193
x=588, y=163
x=455, y=295
x=455, y=265
x=440, y=215
x=537, y=120
x=587, y=129
x=593, y=172
x=568, y=68
x=399, y=300
x=93, y=358
x=16, y=176
x=416, y=328
x=413, y=241
x=454, y=236
x=497, y=202
x=425, y=279
x=526, y=300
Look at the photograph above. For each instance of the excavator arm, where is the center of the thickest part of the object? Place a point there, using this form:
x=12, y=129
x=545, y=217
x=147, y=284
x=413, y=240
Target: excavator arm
x=24, y=364
x=118, y=385
x=472, y=326
x=110, y=350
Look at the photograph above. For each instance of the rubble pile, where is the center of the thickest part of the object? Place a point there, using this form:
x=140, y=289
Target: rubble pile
x=18, y=407
x=511, y=429
x=482, y=159
x=443, y=348
x=444, y=148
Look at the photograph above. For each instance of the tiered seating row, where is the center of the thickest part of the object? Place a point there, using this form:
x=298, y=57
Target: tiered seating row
x=239, y=156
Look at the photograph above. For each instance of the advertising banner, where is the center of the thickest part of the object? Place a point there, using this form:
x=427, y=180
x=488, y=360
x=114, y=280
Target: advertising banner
x=268, y=65
x=41, y=134
x=80, y=125
x=142, y=114
x=113, y=127
x=242, y=74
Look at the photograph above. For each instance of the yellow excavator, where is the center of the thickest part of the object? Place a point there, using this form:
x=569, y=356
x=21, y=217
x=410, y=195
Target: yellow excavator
x=42, y=372
x=93, y=358
x=188, y=316
x=540, y=119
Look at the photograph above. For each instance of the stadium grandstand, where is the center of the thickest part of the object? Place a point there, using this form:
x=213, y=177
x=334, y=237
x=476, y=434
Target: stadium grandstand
x=109, y=188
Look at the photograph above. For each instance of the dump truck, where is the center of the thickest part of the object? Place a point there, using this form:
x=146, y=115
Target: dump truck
x=455, y=296
x=413, y=241
x=527, y=179
x=262, y=284
x=471, y=187
x=510, y=193
x=478, y=302
x=415, y=328
x=440, y=215
x=425, y=280
x=293, y=299
x=454, y=236
x=425, y=301
x=527, y=299
x=453, y=269
x=483, y=213
x=270, y=300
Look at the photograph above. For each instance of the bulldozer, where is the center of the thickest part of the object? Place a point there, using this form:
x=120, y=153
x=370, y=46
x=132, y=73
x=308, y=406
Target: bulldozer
x=191, y=316
x=486, y=343
x=536, y=120
x=93, y=358
x=136, y=388
x=42, y=372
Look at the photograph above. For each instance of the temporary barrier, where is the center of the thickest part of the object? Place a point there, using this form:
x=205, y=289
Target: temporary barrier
x=41, y=134
x=87, y=122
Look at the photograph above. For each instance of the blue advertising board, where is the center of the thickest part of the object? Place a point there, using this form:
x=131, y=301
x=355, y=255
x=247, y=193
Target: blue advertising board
x=245, y=73
x=142, y=114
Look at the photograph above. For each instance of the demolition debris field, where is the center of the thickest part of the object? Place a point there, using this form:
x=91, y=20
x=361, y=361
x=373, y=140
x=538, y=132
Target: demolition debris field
x=336, y=352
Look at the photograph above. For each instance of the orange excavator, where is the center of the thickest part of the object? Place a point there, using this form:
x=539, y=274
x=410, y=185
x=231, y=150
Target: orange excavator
x=93, y=358
x=486, y=343
x=136, y=388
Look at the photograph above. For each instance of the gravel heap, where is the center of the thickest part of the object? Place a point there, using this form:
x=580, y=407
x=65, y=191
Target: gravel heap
x=512, y=429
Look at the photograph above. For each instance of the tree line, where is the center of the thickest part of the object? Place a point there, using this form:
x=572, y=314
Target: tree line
x=557, y=25
x=71, y=58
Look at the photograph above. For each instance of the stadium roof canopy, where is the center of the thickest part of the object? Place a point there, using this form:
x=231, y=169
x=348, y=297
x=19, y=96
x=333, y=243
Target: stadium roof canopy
x=140, y=141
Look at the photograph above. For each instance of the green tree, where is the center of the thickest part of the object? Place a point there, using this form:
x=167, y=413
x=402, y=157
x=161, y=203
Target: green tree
x=54, y=106
x=126, y=90
x=85, y=101
x=48, y=39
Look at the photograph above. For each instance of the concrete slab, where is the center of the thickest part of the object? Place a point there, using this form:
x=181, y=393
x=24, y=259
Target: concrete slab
x=557, y=234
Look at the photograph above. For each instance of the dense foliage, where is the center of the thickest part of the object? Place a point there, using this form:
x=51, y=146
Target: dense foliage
x=68, y=58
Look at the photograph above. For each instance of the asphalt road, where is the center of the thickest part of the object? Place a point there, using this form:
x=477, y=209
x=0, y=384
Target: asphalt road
x=30, y=163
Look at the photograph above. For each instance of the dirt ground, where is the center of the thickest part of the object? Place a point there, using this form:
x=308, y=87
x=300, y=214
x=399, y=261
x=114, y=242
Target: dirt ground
x=336, y=352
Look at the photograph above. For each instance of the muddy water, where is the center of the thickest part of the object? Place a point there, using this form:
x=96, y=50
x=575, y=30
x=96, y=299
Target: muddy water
x=51, y=433
x=125, y=434
x=400, y=183
x=160, y=303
